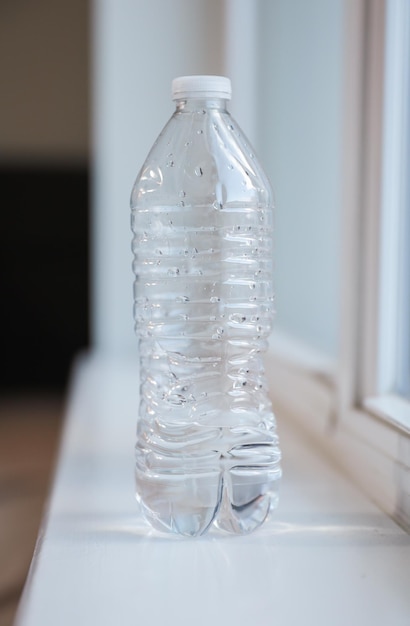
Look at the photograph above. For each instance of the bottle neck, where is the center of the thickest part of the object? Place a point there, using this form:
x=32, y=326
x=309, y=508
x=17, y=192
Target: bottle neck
x=200, y=104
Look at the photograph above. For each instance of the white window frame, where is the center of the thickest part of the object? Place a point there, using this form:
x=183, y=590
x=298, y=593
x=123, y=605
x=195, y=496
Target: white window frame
x=381, y=348
x=371, y=280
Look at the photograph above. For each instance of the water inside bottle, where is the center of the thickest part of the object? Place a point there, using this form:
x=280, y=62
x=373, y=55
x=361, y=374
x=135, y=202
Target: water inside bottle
x=207, y=450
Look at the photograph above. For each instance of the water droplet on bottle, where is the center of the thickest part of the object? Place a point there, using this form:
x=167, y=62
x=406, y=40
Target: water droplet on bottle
x=170, y=163
x=198, y=171
x=176, y=399
x=234, y=317
x=218, y=205
x=218, y=334
x=231, y=127
x=200, y=132
x=181, y=203
x=214, y=299
x=173, y=271
x=182, y=194
x=230, y=166
x=181, y=299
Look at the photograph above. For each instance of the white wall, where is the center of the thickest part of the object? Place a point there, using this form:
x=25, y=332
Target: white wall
x=139, y=47
x=285, y=58
x=300, y=142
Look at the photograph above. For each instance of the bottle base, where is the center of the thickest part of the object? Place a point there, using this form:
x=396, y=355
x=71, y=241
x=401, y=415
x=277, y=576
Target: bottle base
x=238, y=501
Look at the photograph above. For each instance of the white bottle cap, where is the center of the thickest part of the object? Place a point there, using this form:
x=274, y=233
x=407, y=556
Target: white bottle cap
x=201, y=87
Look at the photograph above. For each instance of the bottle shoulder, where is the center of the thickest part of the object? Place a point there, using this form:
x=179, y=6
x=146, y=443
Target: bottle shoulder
x=202, y=156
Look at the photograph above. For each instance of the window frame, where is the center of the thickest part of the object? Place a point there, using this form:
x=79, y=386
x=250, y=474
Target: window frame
x=386, y=105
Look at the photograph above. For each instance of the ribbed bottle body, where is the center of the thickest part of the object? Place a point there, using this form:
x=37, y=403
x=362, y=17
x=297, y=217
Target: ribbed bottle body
x=207, y=449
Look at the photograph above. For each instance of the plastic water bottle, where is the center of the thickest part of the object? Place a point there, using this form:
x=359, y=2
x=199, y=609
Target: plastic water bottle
x=207, y=450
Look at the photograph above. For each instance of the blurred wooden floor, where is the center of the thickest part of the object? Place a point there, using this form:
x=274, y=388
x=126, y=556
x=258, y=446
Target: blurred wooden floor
x=30, y=427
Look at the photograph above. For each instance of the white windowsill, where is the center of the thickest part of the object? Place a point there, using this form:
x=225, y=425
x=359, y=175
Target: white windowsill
x=327, y=556
x=370, y=444
x=391, y=408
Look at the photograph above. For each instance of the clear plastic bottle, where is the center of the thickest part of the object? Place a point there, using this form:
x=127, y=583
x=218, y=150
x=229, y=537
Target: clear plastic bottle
x=207, y=449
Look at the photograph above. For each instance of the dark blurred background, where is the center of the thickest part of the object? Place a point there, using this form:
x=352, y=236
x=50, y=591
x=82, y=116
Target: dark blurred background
x=44, y=177
x=44, y=266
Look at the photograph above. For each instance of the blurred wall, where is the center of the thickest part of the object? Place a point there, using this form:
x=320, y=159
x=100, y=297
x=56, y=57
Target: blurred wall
x=301, y=120
x=44, y=74
x=286, y=60
x=139, y=47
